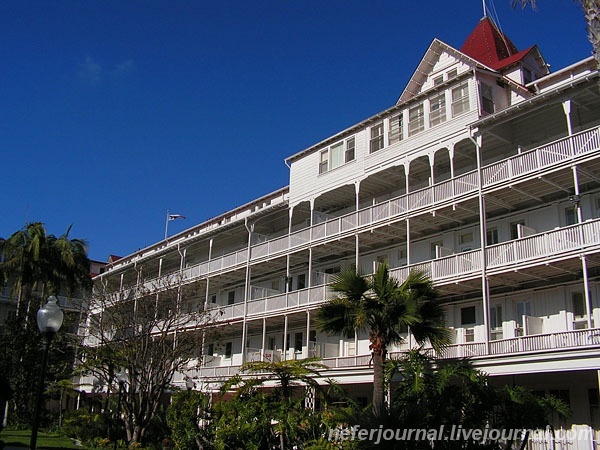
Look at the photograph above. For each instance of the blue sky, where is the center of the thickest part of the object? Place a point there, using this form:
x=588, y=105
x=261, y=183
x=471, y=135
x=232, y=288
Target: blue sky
x=115, y=111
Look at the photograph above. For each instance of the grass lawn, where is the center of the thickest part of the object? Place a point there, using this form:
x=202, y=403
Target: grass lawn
x=20, y=438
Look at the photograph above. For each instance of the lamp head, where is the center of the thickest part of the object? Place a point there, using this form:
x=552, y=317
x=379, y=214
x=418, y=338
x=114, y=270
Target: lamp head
x=50, y=317
x=122, y=377
x=189, y=384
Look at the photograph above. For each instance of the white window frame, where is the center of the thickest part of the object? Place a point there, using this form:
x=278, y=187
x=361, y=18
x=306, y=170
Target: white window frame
x=396, y=133
x=416, y=119
x=437, y=109
x=376, y=137
x=487, y=99
x=460, y=99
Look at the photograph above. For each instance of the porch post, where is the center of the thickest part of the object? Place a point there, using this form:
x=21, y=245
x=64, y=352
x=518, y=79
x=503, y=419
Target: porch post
x=307, y=353
x=586, y=285
x=250, y=229
x=408, y=258
x=478, y=140
x=264, y=339
x=285, y=333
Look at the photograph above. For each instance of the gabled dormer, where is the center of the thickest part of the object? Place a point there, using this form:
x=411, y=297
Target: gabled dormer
x=489, y=46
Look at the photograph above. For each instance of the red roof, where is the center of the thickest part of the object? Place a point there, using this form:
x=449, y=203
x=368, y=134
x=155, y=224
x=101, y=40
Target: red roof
x=488, y=45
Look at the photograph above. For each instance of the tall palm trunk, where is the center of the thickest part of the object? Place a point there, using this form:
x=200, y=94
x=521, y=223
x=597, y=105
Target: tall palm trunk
x=378, y=352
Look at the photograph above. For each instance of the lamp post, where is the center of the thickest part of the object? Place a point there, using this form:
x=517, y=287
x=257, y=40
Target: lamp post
x=122, y=378
x=49, y=320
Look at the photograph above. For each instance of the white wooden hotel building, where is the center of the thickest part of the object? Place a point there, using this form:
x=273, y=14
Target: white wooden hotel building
x=485, y=174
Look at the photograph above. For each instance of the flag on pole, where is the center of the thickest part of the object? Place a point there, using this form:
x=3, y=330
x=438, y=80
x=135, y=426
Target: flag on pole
x=176, y=216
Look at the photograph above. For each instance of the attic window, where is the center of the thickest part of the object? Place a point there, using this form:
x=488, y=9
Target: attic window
x=438, y=80
x=452, y=73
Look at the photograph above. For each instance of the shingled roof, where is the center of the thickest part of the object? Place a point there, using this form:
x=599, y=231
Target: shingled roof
x=488, y=45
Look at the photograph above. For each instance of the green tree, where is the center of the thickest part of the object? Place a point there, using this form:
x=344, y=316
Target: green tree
x=138, y=330
x=188, y=417
x=591, y=10
x=36, y=264
x=386, y=309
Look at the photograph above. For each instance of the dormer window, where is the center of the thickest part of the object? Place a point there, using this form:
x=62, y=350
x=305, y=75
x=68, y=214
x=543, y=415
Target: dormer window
x=376, y=137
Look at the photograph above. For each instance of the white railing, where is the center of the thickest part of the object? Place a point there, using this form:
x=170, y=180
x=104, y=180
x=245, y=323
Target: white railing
x=576, y=339
x=563, y=150
x=542, y=157
x=545, y=244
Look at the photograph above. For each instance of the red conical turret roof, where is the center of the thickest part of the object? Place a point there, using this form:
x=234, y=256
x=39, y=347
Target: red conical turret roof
x=488, y=45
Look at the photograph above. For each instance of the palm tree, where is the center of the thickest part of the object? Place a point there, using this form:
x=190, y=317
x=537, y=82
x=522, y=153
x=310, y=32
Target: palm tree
x=385, y=308
x=36, y=261
x=591, y=10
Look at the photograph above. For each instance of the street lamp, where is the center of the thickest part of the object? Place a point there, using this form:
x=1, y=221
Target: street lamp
x=49, y=320
x=122, y=378
x=189, y=384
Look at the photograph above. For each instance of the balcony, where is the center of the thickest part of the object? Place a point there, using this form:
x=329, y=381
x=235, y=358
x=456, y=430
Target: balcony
x=563, y=340
x=553, y=156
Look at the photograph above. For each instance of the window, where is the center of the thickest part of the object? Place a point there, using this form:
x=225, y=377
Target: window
x=561, y=394
x=213, y=298
x=467, y=315
x=231, y=298
x=496, y=322
x=416, y=120
x=578, y=303
x=324, y=161
x=228, y=350
x=336, y=155
x=570, y=215
x=381, y=259
x=301, y=281
x=298, y=342
x=313, y=336
x=514, y=229
x=350, y=153
x=466, y=238
x=452, y=73
x=492, y=236
x=460, y=99
x=487, y=99
x=434, y=248
x=523, y=309
x=271, y=344
x=376, y=137
x=211, y=350
x=437, y=109
x=438, y=80
x=396, y=132
x=496, y=317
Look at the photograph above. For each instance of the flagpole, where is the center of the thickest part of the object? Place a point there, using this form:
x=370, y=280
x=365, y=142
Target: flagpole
x=167, y=225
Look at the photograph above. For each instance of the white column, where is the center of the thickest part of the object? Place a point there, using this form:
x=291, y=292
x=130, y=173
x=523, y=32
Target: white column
x=285, y=333
x=307, y=352
x=264, y=339
x=485, y=291
x=250, y=228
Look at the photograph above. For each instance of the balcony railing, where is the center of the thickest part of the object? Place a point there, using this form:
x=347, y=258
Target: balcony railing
x=562, y=340
x=529, y=162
